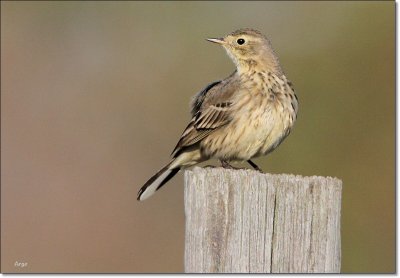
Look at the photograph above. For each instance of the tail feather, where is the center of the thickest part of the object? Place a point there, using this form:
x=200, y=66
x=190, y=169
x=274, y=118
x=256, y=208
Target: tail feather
x=157, y=181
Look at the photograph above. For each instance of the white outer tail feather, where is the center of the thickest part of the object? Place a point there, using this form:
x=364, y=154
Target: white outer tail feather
x=166, y=173
x=151, y=189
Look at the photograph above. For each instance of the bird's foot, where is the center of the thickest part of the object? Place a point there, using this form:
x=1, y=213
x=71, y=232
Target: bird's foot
x=226, y=165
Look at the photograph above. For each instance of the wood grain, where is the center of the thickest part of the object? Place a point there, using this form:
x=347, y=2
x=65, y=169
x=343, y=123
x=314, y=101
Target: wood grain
x=242, y=221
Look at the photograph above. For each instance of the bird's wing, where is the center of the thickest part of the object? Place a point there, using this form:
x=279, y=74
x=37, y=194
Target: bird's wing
x=199, y=98
x=214, y=116
x=204, y=122
x=213, y=111
x=218, y=89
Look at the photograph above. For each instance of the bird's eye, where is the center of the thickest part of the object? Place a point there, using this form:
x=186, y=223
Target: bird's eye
x=240, y=41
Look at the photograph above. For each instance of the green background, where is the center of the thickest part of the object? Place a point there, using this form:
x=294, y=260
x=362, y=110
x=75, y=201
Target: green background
x=94, y=96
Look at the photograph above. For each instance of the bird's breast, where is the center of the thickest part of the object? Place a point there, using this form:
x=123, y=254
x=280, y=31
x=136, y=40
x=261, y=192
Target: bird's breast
x=262, y=116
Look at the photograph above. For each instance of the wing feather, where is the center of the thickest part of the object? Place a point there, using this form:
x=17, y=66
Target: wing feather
x=213, y=117
x=202, y=125
x=211, y=109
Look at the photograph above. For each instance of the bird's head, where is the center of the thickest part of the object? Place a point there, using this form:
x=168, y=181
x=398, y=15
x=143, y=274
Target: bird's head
x=248, y=48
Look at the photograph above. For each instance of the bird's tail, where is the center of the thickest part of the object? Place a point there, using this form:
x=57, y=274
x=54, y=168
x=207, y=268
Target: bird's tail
x=156, y=181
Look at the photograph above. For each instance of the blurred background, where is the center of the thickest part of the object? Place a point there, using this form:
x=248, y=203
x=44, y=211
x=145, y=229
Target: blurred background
x=94, y=96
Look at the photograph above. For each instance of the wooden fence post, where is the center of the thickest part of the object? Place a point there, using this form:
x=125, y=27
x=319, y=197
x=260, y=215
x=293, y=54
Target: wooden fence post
x=242, y=221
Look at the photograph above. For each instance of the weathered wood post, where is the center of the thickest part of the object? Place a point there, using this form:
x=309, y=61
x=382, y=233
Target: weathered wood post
x=242, y=221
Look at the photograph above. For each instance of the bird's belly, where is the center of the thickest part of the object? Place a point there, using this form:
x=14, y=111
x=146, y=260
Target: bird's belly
x=252, y=133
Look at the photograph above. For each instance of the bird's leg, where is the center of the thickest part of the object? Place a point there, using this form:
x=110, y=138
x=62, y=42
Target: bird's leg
x=255, y=166
x=225, y=164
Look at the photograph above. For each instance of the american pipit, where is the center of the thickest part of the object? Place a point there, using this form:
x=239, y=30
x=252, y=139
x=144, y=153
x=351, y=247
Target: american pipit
x=246, y=115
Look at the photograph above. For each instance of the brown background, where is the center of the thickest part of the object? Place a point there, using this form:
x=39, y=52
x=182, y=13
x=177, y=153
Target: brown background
x=95, y=96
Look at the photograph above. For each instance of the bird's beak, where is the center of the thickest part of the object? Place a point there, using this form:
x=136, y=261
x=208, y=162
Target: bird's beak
x=219, y=41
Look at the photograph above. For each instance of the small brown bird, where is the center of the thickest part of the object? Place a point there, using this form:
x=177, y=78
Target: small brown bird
x=246, y=115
